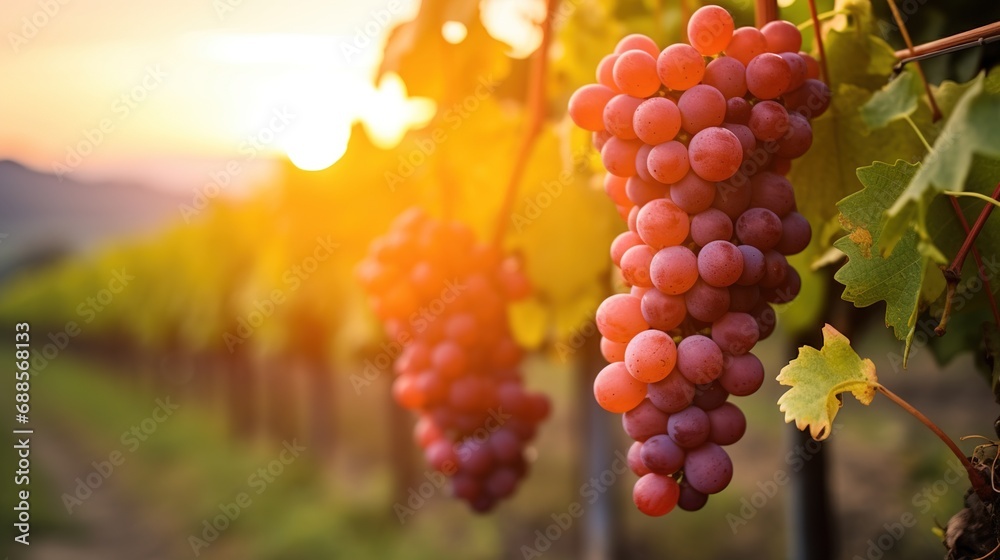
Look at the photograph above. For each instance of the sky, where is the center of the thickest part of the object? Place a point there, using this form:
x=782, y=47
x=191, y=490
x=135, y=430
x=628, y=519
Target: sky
x=164, y=91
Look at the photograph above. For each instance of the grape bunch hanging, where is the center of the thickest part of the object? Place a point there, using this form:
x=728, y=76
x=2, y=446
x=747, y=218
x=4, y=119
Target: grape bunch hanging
x=697, y=140
x=443, y=297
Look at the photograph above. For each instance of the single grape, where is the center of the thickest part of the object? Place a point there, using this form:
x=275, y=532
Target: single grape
x=635, y=460
x=449, y=358
x=711, y=225
x=768, y=76
x=781, y=36
x=650, y=356
x=768, y=121
x=708, y=469
x=706, y=303
x=618, y=115
x=737, y=110
x=501, y=483
x=586, y=106
x=710, y=396
x=743, y=375
x=657, y=120
x=735, y=333
x=715, y=154
x=640, y=191
x=765, y=317
x=680, y=66
x=635, y=73
x=772, y=192
x=625, y=241
x=689, y=428
x=618, y=156
x=635, y=265
x=788, y=289
x=605, y=72
x=616, y=390
x=812, y=66
x=674, y=270
x=614, y=186
x=644, y=421
x=710, y=29
x=720, y=263
x=660, y=223
x=775, y=269
x=795, y=234
x=699, y=359
x=668, y=162
x=754, y=266
x=662, y=311
x=619, y=318
x=798, y=139
x=671, y=394
x=727, y=75
x=661, y=454
x=690, y=499
x=692, y=194
x=637, y=41
x=655, y=494
x=613, y=351
x=747, y=42
x=732, y=198
x=760, y=228
x=728, y=424
x=701, y=106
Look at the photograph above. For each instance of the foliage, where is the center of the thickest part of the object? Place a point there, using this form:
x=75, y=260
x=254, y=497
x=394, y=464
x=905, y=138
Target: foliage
x=816, y=379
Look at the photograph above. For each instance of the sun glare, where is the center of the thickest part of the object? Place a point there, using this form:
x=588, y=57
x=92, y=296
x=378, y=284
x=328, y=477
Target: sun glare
x=389, y=113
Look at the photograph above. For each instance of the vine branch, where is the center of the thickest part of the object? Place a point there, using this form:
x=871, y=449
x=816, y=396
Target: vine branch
x=979, y=266
x=953, y=273
x=935, y=110
x=975, y=478
x=964, y=39
x=535, y=102
x=818, y=32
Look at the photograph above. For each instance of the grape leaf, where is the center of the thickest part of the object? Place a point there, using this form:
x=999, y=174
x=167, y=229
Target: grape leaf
x=898, y=99
x=816, y=377
x=900, y=279
x=970, y=130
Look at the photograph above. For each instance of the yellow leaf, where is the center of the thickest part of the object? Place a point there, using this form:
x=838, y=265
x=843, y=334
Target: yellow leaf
x=816, y=377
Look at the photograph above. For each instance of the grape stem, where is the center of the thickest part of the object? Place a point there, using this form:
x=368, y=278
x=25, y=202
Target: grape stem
x=953, y=273
x=765, y=11
x=919, y=134
x=535, y=102
x=975, y=478
x=818, y=31
x=935, y=110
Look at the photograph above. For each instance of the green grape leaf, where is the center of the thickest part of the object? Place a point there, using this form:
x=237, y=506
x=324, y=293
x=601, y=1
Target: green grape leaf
x=970, y=130
x=895, y=101
x=816, y=377
x=901, y=279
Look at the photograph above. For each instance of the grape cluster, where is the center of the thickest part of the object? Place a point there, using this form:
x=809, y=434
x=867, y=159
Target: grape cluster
x=697, y=139
x=442, y=297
